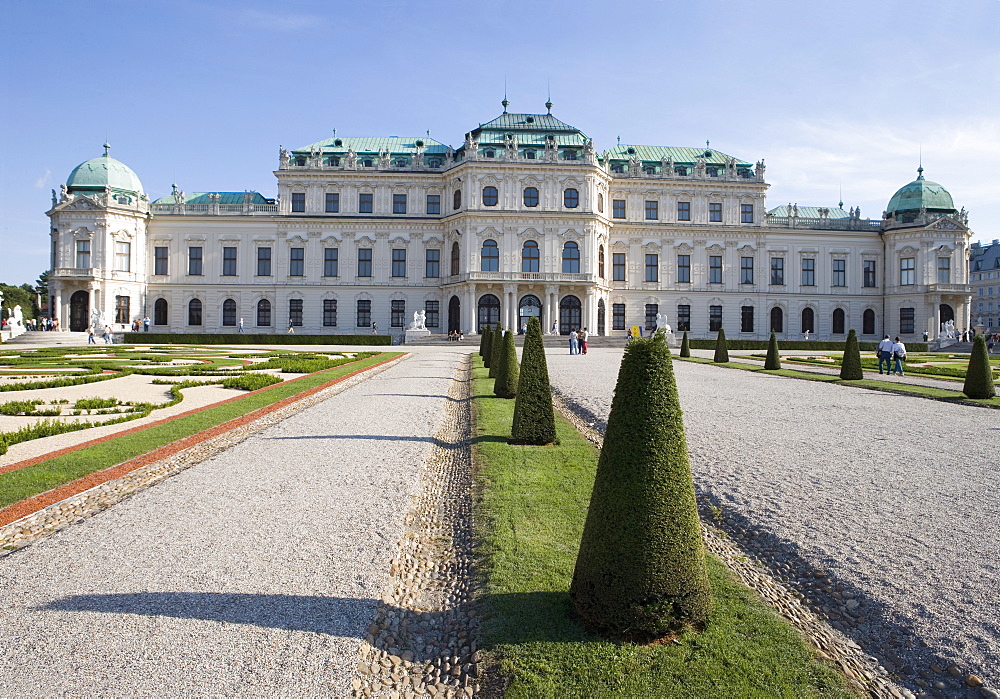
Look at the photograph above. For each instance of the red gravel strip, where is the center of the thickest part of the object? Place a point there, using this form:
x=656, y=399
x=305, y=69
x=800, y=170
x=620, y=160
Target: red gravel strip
x=29, y=506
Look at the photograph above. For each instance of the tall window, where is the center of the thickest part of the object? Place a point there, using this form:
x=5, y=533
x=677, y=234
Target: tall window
x=906, y=269
x=263, y=262
x=944, y=270
x=840, y=273
x=715, y=269
x=600, y=262
x=571, y=258
x=434, y=204
x=714, y=318
x=652, y=210
x=364, y=262
x=455, y=258
x=364, y=314
x=160, y=260
x=399, y=262
x=571, y=198
x=160, y=312
x=83, y=254
x=490, y=196
x=868, y=276
x=194, y=261
x=329, y=313
x=529, y=256
x=122, y=313
x=746, y=213
x=490, y=261
x=746, y=319
x=683, y=211
x=331, y=259
x=777, y=271
x=298, y=202
x=123, y=257
x=194, y=312
x=263, y=313
x=808, y=271
x=868, y=322
x=618, y=266
x=295, y=312
x=332, y=202
x=684, y=269
x=530, y=196
x=365, y=202
x=399, y=203
x=618, y=316
x=618, y=208
x=652, y=310
x=296, y=262
x=684, y=317
x=808, y=324
x=397, y=313
x=433, y=310
x=229, y=262
x=432, y=263
x=652, y=268
x=457, y=200
x=715, y=212
x=746, y=270
x=839, y=321
x=777, y=320
x=906, y=321
x=229, y=313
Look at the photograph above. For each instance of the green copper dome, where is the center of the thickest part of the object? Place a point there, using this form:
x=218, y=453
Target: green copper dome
x=921, y=194
x=98, y=173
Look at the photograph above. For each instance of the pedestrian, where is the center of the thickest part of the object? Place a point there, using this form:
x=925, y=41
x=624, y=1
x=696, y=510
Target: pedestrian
x=574, y=342
x=629, y=339
x=240, y=326
x=898, y=355
x=553, y=328
x=584, y=337
x=925, y=336
x=90, y=336
x=374, y=328
x=524, y=328
x=291, y=327
x=145, y=324
x=107, y=334
x=884, y=354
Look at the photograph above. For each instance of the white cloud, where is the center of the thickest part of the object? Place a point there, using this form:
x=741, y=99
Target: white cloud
x=279, y=21
x=43, y=180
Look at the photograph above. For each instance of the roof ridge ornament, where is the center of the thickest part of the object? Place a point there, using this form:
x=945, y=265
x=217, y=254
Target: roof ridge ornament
x=107, y=147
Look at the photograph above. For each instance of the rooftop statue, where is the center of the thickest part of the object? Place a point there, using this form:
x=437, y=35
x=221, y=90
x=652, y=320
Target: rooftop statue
x=283, y=159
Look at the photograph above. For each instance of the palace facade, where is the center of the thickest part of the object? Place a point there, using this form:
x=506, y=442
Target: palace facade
x=525, y=218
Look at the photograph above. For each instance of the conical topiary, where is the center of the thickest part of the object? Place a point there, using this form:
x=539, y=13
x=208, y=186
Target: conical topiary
x=482, y=343
x=979, y=376
x=685, y=346
x=773, y=360
x=534, y=419
x=487, y=343
x=721, y=348
x=640, y=573
x=505, y=385
x=496, y=347
x=850, y=365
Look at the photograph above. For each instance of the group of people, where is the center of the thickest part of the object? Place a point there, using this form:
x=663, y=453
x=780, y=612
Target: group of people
x=144, y=323
x=107, y=335
x=578, y=341
x=456, y=335
x=38, y=323
x=893, y=354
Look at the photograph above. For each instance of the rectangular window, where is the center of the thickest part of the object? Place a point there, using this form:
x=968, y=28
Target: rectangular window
x=869, y=273
x=329, y=313
x=263, y=262
x=331, y=258
x=618, y=266
x=714, y=318
x=228, y=262
x=432, y=263
x=715, y=212
x=684, y=317
x=746, y=213
x=397, y=314
x=907, y=266
x=778, y=271
x=296, y=262
x=652, y=210
x=618, y=208
x=433, y=203
x=365, y=203
x=652, y=310
x=684, y=269
x=298, y=202
x=295, y=312
x=399, y=203
x=683, y=211
x=159, y=260
x=194, y=261
x=433, y=310
x=652, y=268
x=122, y=313
x=906, y=321
x=364, y=262
x=332, y=202
x=123, y=257
x=399, y=262
x=746, y=270
x=944, y=270
x=839, y=273
x=808, y=271
x=364, y=313
x=715, y=269
x=618, y=316
x=746, y=319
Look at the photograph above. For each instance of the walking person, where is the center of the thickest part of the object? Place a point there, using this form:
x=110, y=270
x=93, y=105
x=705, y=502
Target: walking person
x=884, y=354
x=898, y=355
x=291, y=327
x=240, y=326
x=574, y=342
x=374, y=328
x=584, y=337
x=145, y=324
x=107, y=334
x=90, y=336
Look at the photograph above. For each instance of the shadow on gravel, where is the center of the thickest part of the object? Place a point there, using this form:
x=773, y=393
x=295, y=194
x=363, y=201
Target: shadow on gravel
x=376, y=437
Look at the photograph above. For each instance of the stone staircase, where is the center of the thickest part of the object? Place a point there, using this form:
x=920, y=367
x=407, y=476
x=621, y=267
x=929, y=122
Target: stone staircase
x=51, y=338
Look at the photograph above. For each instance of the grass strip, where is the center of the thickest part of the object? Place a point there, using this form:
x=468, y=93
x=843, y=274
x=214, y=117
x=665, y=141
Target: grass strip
x=52, y=473
x=530, y=518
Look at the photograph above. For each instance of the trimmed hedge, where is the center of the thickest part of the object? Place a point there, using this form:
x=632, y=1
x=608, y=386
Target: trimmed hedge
x=685, y=346
x=773, y=360
x=799, y=345
x=979, y=375
x=248, y=339
x=721, y=348
x=496, y=350
x=508, y=375
x=850, y=364
x=534, y=419
x=487, y=346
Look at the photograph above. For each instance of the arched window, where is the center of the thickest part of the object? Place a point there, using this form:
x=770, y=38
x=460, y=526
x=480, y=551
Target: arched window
x=457, y=199
x=868, y=322
x=454, y=314
x=263, y=313
x=529, y=256
x=571, y=198
x=571, y=258
x=229, y=312
x=454, y=258
x=808, y=321
x=600, y=203
x=490, y=257
x=530, y=196
x=570, y=314
x=194, y=312
x=489, y=311
x=160, y=312
x=600, y=262
x=490, y=153
x=777, y=320
x=490, y=197
x=529, y=307
x=838, y=321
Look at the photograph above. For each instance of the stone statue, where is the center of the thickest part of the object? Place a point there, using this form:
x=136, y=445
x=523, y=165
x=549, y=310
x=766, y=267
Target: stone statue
x=469, y=144
x=350, y=159
x=419, y=320
x=55, y=200
x=247, y=197
x=64, y=194
x=857, y=213
x=760, y=168
x=95, y=319
x=17, y=317
x=383, y=158
x=283, y=158
x=661, y=323
x=418, y=158
x=795, y=211
x=948, y=329
x=634, y=166
x=699, y=167
x=588, y=150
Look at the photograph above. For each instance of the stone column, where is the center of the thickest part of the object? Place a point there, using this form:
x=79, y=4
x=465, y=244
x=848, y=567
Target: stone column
x=590, y=312
x=552, y=305
x=56, y=310
x=510, y=303
x=470, y=310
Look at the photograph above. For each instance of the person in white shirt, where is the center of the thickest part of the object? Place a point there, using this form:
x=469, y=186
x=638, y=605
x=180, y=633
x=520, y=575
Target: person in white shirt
x=584, y=336
x=574, y=345
x=898, y=354
x=884, y=353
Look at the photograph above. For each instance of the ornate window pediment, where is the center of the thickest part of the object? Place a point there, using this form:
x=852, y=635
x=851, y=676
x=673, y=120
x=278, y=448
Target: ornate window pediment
x=490, y=232
x=716, y=248
x=683, y=248
x=82, y=233
x=81, y=203
x=748, y=249
x=328, y=239
x=652, y=247
x=365, y=238
x=907, y=251
x=944, y=224
x=684, y=301
x=434, y=239
x=619, y=246
x=399, y=240
x=298, y=237
x=491, y=180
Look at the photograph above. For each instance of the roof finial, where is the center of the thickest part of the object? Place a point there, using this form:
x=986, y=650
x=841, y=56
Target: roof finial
x=841, y=202
x=428, y=132
x=505, y=100
x=707, y=144
x=548, y=101
x=334, y=131
x=920, y=166
x=107, y=147
x=619, y=140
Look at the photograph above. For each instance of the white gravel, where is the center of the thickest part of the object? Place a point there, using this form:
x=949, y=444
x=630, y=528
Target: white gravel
x=898, y=497
x=255, y=573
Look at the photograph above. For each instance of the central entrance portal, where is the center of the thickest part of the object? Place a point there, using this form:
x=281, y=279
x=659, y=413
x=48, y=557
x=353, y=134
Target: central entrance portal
x=79, y=311
x=530, y=307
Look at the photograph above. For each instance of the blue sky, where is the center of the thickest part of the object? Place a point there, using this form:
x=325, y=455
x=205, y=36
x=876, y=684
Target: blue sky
x=835, y=96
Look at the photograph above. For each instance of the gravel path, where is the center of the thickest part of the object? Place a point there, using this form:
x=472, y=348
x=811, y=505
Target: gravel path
x=254, y=573
x=894, y=502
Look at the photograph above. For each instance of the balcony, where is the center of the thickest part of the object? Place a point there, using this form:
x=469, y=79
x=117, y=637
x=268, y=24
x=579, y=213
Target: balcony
x=960, y=289
x=543, y=277
x=214, y=209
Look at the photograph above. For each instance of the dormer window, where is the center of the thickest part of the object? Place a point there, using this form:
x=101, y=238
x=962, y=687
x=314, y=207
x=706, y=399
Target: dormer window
x=713, y=172
x=569, y=155
x=630, y=151
x=420, y=144
x=335, y=161
x=434, y=162
x=490, y=153
x=300, y=162
x=618, y=169
x=338, y=143
x=401, y=163
x=367, y=162
x=682, y=171
x=529, y=154
x=530, y=120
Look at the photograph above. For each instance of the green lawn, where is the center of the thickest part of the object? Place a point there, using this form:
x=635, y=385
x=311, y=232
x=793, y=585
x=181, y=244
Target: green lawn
x=530, y=519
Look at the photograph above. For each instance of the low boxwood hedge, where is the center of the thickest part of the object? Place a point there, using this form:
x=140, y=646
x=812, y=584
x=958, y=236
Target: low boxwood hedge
x=798, y=345
x=142, y=338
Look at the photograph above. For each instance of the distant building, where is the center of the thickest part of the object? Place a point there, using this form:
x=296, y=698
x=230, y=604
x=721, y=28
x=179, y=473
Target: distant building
x=984, y=278
x=525, y=218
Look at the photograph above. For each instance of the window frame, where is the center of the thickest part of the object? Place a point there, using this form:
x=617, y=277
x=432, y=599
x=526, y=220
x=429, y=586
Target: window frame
x=432, y=267
x=296, y=262
x=652, y=210
x=683, y=211
x=331, y=262
x=229, y=313
x=715, y=269
x=944, y=270
x=530, y=197
x=398, y=203
x=397, y=313
x=571, y=201
x=530, y=263
x=83, y=254
x=264, y=261
x=365, y=262
x=491, y=260
x=714, y=319
x=838, y=276
x=366, y=202
x=652, y=267
x=196, y=261
x=684, y=317
x=618, y=209
x=618, y=266
x=230, y=258
x=777, y=277
x=333, y=202
x=684, y=269
x=161, y=257
x=618, y=316
x=329, y=313
x=714, y=212
x=398, y=263
x=491, y=196
x=123, y=256
x=433, y=204
x=363, y=313
x=296, y=310
x=571, y=257
x=264, y=313
x=868, y=274
x=746, y=319
x=808, y=271
x=746, y=213
x=298, y=202
x=907, y=271
x=907, y=321
x=196, y=309
x=746, y=270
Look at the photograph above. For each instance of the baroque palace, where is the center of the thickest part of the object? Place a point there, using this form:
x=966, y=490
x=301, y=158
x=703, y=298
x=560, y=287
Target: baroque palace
x=525, y=218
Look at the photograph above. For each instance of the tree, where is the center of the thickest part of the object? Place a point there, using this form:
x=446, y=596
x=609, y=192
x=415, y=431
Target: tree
x=773, y=360
x=534, y=419
x=979, y=375
x=641, y=573
x=42, y=286
x=721, y=348
x=685, y=346
x=850, y=365
x=23, y=296
x=508, y=375
x=496, y=349
x=482, y=345
x=487, y=345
